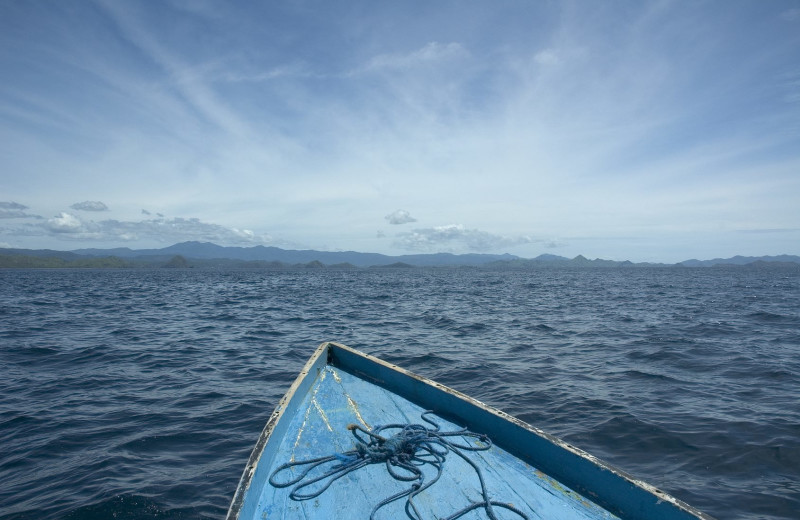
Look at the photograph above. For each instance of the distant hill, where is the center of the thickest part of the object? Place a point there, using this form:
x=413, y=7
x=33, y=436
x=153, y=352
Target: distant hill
x=20, y=261
x=396, y=265
x=205, y=255
x=581, y=261
x=741, y=260
x=208, y=251
x=545, y=261
x=47, y=253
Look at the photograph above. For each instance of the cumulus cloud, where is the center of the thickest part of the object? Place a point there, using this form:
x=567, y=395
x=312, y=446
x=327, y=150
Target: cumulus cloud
x=90, y=205
x=14, y=210
x=176, y=230
x=400, y=216
x=456, y=237
x=65, y=223
x=71, y=227
x=244, y=233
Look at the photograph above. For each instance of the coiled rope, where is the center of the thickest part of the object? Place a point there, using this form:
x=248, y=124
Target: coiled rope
x=409, y=449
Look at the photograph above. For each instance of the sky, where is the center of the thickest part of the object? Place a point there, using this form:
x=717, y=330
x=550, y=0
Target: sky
x=624, y=130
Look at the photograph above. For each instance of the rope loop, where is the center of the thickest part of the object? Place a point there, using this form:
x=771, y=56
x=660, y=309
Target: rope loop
x=404, y=452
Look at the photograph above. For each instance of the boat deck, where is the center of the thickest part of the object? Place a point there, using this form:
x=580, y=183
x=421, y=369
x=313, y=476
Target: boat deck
x=319, y=428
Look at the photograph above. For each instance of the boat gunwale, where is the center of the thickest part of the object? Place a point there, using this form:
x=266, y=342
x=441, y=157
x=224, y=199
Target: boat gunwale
x=399, y=374
x=269, y=428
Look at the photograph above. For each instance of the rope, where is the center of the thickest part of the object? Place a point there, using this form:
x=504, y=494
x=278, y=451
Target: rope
x=404, y=453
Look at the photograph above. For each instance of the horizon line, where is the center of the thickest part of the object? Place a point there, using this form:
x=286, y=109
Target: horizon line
x=398, y=255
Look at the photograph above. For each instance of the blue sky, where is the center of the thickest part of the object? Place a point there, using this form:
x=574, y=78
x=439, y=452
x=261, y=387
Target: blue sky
x=624, y=130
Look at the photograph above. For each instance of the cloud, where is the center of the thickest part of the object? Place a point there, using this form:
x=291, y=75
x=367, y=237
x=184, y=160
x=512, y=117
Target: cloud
x=14, y=210
x=12, y=205
x=176, y=229
x=65, y=223
x=183, y=78
x=145, y=212
x=791, y=14
x=456, y=237
x=431, y=53
x=546, y=57
x=769, y=230
x=400, y=216
x=244, y=233
x=293, y=71
x=90, y=205
x=71, y=227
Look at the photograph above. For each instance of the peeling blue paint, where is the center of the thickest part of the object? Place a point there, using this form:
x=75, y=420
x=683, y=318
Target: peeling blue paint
x=537, y=473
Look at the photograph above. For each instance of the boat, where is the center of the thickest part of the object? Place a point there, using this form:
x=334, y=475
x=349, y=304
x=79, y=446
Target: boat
x=357, y=437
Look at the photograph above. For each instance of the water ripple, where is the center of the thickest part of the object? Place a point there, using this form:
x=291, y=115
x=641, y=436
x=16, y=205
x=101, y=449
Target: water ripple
x=139, y=394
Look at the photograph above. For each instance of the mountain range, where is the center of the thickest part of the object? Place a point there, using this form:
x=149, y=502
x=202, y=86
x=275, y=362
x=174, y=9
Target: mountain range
x=208, y=251
x=204, y=254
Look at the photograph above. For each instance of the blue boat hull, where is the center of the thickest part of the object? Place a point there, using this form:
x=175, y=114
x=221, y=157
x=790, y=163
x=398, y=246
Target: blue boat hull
x=525, y=472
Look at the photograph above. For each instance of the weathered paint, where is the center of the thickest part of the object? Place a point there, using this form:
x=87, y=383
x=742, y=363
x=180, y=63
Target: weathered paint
x=534, y=471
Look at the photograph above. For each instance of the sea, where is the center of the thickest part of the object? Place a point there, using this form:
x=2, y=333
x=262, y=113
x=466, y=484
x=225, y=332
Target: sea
x=139, y=393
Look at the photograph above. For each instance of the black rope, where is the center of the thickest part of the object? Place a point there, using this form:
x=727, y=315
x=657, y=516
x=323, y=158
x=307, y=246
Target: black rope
x=404, y=453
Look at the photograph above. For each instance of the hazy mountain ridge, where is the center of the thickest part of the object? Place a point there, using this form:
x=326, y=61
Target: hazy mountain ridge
x=208, y=251
x=742, y=260
x=208, y=255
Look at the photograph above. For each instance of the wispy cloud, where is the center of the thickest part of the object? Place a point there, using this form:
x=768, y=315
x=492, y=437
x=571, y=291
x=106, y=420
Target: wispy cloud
x=68, y=226
x=182, y=76
x=90, y=205
x=432, y=53
x=12, y=205
x=534, y=118
x=546, y=57
x=770, y=231
x=14, y=210
x=245, y=75
x=791, y=14
x=455, y=237
x=400, y=216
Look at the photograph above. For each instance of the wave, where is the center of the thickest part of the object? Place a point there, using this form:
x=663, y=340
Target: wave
x=139, y=395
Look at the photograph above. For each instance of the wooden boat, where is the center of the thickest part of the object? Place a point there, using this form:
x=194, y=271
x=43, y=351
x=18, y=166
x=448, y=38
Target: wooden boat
x=356, y=437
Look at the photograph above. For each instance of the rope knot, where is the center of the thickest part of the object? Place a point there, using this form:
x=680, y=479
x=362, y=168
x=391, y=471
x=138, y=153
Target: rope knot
x=395, y=446
x=404, y=453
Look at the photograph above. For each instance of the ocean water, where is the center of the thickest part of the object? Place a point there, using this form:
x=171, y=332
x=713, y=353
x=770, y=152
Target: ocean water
x=138, y=394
